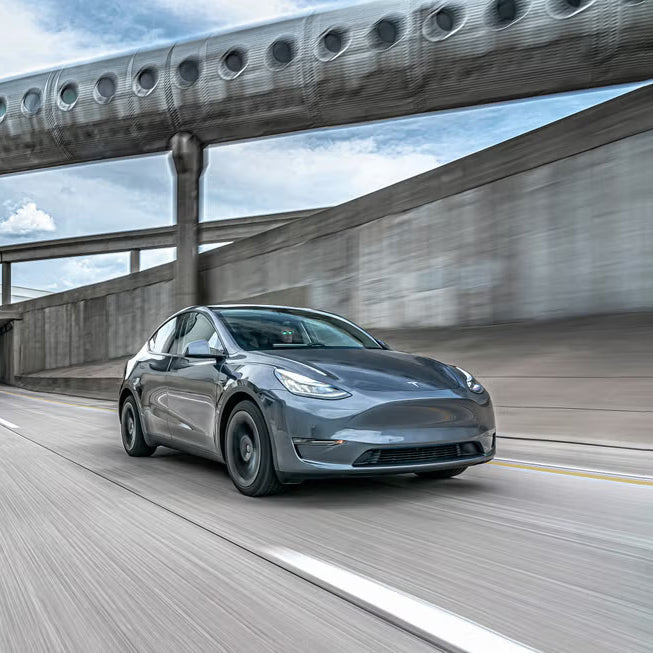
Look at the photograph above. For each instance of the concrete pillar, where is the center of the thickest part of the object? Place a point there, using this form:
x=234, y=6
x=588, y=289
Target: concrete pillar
x=6, y=283
x=188, y=165
x=134, y=261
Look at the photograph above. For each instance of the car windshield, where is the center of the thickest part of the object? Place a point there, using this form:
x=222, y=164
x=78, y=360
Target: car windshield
x=279, y=328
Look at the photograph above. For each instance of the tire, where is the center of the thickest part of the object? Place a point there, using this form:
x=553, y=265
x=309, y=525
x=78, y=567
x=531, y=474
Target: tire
x=442, y=473
x=132, y=431
x=248, y=452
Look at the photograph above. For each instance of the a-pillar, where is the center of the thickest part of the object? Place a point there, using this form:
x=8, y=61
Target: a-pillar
x=188, y=165
x=134, y=261
x=6, y=283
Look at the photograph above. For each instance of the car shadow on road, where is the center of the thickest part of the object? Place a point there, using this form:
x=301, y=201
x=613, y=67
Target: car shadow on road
x=332, y=492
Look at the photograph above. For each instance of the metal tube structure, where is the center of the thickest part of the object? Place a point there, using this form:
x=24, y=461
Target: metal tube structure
x=350, y=65
x=188, y=165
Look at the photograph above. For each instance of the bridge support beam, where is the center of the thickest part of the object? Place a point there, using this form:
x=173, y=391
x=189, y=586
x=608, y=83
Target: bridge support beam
x=188, y=165
x=6, y=283
x=134, y=261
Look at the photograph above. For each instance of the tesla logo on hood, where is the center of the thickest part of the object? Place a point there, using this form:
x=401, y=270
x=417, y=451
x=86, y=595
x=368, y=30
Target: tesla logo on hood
x=413, y=383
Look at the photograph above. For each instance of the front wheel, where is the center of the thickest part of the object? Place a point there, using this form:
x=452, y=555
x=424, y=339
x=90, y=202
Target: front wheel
x=248, y=452
x=442, y=473
x=132, y=431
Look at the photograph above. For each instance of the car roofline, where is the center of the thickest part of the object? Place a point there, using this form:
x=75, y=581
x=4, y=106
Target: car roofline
x=273, y=306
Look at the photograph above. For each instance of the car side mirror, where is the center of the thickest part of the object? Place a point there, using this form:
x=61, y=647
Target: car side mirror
x=200, y=349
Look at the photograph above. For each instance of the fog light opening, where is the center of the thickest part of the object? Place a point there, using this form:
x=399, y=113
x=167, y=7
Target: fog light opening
x=468, y=449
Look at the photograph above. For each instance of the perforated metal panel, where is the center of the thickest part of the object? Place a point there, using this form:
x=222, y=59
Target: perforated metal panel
x=367, y=62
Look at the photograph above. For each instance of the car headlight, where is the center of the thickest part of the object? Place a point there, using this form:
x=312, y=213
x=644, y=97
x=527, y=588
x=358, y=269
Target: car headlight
x=471, y=382
x=304, y=386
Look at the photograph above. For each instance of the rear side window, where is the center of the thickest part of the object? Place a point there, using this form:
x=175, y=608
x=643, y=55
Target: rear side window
x=160, y=341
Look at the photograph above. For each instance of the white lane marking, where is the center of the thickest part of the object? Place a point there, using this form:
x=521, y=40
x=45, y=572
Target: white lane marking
x=9, y=425
x=572, y=469
x=442, y=628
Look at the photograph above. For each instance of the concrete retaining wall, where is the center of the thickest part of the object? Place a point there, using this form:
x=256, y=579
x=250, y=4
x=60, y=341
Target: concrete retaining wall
x=90, y=324
x=555, y=223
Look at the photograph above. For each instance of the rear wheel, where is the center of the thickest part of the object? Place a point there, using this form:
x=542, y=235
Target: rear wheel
x=248, y=452
x=442, y=473
x=132, y=432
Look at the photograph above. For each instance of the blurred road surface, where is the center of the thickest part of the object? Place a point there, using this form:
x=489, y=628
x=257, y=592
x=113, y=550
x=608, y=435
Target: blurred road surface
x=552, y=546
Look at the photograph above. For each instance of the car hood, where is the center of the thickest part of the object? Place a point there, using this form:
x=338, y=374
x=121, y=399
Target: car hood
x=372, y=370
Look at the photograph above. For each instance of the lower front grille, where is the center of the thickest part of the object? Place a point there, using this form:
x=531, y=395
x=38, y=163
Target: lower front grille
x=418, y=455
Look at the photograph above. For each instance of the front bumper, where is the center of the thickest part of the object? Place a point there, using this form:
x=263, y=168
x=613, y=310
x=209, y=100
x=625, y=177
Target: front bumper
x=372, y=435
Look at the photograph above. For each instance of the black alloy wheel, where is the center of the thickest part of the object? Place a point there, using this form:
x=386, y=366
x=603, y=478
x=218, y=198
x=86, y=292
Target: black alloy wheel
x=132, y=431
x=248, y=452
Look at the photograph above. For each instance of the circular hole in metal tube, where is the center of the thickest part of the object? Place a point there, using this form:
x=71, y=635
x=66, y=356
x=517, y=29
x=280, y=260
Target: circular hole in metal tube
x=387, y=31
x=189, y=71
x=445, y=19
x=444, y=22
x=234, y=61
x=32, y=101
x=105, y=88
x=505, y=11
x=147, y=79
x=333, y=41
x=68, y=95
x=282, y=51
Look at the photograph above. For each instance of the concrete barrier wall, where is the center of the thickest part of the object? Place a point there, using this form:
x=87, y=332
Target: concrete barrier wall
x=555, y=223
x=92, y=324
x=7, y=363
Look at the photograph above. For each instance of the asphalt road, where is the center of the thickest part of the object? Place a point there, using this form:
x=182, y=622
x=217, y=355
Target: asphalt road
x=552, y=546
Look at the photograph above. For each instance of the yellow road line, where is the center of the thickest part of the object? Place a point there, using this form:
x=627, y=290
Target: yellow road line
x=571, y=472
x=55, y=401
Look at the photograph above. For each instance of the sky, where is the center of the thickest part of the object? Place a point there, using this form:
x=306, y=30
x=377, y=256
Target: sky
x=286, y=173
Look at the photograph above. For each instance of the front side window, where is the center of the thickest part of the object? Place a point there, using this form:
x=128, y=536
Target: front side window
x=193, y=327
x=263, y=328
x=160, y=341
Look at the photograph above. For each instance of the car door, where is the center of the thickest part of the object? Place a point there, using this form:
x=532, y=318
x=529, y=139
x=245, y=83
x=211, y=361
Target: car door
x=151, y=374
x=194, y=385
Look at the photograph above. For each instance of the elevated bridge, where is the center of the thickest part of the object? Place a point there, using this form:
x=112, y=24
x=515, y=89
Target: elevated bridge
x=216, y=231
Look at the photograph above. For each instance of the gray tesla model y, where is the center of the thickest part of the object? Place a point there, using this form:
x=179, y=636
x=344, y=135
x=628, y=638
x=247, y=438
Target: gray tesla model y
x=284, y=394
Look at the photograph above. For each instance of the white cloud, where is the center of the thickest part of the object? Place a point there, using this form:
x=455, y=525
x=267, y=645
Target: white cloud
x=76, y=272
x=114, y=196
x=28, y=46
x=273, y=176
x=27, y=220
